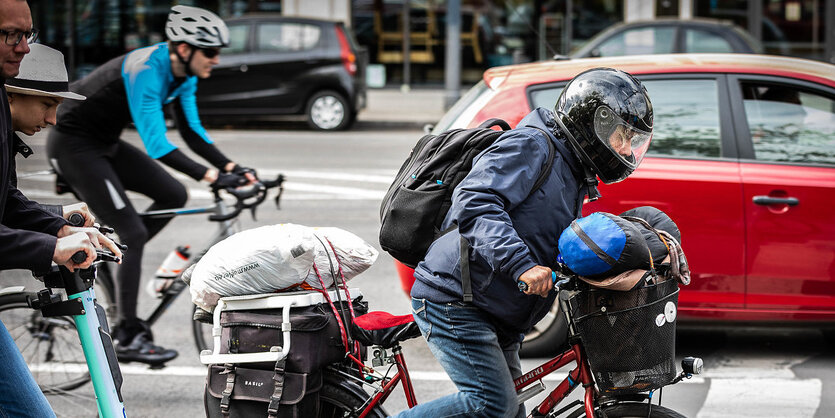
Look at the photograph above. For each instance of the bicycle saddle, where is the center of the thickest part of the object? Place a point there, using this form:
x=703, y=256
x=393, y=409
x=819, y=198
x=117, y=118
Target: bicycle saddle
x=384, y=329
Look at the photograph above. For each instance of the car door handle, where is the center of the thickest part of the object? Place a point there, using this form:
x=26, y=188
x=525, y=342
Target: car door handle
x=768, y=200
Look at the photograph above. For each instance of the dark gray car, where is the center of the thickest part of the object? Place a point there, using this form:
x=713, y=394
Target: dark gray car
x=664, y=36
x=278, y=66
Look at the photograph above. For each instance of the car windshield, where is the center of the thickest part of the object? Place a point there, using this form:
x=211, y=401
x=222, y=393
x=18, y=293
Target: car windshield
x=465, y=109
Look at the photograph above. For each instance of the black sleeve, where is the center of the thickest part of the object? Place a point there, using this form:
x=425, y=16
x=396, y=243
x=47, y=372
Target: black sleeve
x=194, y=141
x=178, y=161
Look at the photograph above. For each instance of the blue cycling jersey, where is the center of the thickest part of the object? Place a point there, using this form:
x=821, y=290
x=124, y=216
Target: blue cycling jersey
x=133, y=87
x=148, y=80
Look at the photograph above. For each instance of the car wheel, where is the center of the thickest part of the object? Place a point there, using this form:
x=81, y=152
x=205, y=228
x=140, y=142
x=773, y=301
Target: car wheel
x=548, y=337
x=329, y=111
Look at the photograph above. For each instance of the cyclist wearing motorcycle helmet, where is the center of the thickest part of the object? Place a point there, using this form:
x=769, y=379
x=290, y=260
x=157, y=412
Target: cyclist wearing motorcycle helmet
x=606, y=116
x=85, y=148
x=508, y=229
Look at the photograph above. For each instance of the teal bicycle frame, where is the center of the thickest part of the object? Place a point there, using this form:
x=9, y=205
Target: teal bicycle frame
x=91, y=324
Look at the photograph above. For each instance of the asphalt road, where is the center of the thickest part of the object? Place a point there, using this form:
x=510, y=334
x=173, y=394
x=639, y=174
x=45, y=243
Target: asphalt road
x=338, y=180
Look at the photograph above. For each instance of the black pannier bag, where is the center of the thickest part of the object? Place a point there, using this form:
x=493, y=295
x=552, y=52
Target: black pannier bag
x=252, y=390
x=315, y=342
x=418, y=200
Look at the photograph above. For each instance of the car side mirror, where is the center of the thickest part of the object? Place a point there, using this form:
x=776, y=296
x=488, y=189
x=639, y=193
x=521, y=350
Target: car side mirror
x=428, y=128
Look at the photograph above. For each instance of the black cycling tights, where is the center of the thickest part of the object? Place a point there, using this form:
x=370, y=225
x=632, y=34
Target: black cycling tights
x=100, y=173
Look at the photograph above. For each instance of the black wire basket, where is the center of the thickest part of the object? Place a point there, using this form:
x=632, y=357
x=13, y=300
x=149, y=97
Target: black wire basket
x=629, y=337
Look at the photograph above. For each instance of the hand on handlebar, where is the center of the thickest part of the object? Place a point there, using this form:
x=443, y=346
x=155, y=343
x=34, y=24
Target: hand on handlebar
x=537, y=280
x=79, y=209
x=94, y=237
x=68, y=245
x=247, y=172
x=229, y=181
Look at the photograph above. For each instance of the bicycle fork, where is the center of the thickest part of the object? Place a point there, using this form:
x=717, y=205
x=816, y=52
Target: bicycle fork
x=91, y=324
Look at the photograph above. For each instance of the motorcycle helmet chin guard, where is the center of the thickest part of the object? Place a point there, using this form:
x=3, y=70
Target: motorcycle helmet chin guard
x=607, y=117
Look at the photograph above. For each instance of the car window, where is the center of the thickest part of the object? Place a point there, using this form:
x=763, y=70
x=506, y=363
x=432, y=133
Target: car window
x=546, y=97
x=685, y=117
x=638, y=41
x=790, y=125
x=238, y=35
x=465, y=109
x=287, y=37
x=697, y=40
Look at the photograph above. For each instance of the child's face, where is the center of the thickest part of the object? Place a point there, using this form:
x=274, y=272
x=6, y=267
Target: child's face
x=30, y=114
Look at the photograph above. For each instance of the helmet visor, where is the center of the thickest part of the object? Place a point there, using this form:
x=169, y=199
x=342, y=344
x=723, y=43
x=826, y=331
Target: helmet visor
x=628, y=142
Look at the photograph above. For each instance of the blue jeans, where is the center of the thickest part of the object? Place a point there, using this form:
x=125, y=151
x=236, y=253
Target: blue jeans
x=481, y=364
x=21, y=396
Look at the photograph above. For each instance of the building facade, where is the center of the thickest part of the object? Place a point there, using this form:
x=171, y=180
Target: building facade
x=493, y=32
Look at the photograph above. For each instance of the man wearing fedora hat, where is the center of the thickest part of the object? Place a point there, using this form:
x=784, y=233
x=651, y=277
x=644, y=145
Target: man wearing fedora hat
x=30, y=237
x=34, y=96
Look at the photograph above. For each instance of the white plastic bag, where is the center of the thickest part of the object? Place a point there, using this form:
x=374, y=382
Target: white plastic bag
x=352, y=253
x=259, y=260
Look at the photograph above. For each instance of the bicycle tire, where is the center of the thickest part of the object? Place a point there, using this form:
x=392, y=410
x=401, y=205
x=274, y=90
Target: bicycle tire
x=201, y=332
x=342, y=398
x=629, y=410
x=50, y=346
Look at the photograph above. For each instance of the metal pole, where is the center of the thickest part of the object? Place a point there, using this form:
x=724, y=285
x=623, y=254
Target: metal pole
x=569, y=30
x=407, y=46
x=829, y=39
x=452, y=72
x=71, y=37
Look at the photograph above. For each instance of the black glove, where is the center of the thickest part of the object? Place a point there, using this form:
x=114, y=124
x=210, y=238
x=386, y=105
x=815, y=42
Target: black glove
x=229, y=181
x=242, y=171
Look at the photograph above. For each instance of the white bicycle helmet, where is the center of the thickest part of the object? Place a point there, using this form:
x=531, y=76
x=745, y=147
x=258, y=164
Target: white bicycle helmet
x=197, y=27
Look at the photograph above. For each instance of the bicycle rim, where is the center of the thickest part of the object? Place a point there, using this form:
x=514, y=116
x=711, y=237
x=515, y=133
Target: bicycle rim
x=51, y=349
x=337, y=401
x=629, y=410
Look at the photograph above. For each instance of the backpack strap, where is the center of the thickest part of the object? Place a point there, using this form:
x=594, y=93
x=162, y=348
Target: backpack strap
x=227, y=392
x=489, y=123
x=466, y=282
x=278, y=389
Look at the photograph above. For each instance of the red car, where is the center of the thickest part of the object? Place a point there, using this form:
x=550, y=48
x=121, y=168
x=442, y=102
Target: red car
x=743, y=160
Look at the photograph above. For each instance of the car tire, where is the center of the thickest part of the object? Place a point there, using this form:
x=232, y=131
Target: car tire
x=548, y=337
x=328, y=110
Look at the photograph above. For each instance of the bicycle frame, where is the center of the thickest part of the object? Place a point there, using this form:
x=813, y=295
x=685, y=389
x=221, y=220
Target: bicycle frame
x=93, y=332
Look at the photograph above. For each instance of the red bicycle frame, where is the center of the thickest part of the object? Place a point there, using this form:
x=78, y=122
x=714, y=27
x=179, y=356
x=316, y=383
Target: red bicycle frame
x=580, y=374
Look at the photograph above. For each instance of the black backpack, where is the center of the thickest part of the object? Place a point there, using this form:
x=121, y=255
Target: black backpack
x=420, y=196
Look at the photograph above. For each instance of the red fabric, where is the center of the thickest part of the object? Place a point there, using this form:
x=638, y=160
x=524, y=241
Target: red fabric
x=381, y=320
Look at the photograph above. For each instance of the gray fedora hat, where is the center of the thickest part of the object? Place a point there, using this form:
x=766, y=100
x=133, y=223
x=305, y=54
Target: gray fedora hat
x=42, y=73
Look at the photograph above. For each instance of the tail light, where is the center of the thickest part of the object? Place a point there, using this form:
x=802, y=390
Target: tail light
x=349, y=59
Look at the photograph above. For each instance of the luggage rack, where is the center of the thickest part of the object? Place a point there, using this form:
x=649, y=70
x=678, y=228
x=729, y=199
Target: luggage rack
x=282, y=301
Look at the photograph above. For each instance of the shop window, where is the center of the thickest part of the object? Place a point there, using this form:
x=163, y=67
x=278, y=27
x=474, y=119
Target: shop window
x=697, y=40
x=790, y=125
x=287, y=37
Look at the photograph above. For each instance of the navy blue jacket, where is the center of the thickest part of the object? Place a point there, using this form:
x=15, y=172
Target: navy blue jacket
x=27, y=231
x=510, y=228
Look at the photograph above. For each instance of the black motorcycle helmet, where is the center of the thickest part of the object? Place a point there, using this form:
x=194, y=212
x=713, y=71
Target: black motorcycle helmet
x=606, y=116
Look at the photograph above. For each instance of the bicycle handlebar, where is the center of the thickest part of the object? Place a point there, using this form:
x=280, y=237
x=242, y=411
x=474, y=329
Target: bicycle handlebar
x=562, y=273
x=258, y=190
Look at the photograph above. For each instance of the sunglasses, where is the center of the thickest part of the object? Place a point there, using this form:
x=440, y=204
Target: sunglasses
x=14, y=37
x=210, y=52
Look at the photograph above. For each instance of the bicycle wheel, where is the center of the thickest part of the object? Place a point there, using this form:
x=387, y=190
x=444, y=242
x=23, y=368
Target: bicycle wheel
x=342, y=398
x=629, y=410
x=50, y=346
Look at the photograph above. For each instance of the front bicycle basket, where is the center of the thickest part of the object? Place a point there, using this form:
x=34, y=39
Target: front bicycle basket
x=629, y=337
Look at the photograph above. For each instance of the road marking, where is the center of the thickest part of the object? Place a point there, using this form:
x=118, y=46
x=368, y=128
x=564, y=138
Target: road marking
x=760, y=386
x=294, y=190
